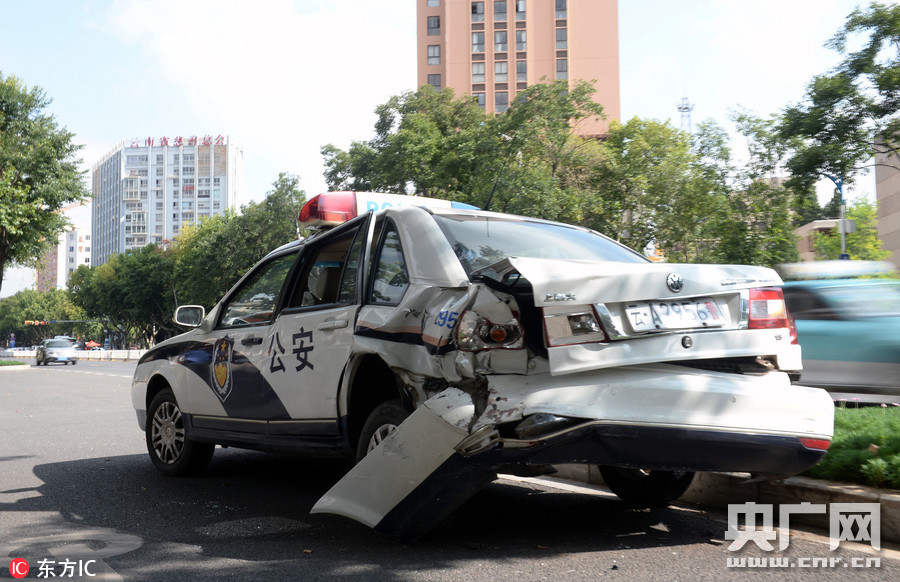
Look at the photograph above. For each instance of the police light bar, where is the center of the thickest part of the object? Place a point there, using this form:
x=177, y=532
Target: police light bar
x=334, y=208
x=835, y=270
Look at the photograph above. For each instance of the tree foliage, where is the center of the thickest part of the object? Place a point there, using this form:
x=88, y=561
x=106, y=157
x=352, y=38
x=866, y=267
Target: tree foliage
x=131, y=293
x=38, y=174
x=850, y=114
x=863, y=244
x=54, y=305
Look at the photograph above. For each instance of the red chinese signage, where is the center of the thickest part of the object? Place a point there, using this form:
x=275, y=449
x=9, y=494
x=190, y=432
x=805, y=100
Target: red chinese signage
x=179, y=141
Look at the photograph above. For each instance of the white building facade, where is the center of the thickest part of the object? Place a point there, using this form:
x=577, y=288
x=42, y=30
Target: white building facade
x=73, y=250
x=146, y=190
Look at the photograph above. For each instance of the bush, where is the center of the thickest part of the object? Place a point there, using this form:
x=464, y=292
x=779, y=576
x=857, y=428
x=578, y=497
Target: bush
x=865, y=449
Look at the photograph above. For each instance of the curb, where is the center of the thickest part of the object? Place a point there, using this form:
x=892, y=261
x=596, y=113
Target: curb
x=718, y=490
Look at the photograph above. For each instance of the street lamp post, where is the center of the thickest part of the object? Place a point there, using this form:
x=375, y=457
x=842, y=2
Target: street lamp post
x=839, y=184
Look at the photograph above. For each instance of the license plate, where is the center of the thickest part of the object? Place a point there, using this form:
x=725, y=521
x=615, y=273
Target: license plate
x=664, y=315
x=62, y=359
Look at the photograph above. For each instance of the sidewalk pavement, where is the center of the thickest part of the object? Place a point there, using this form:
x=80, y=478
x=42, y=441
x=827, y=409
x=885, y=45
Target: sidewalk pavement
x=717, y=490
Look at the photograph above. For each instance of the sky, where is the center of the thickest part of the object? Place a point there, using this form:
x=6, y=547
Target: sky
x=282, y=78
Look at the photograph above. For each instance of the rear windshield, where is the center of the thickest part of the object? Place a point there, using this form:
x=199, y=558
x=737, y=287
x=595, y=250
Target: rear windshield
x=58, y=344
x=480, y=241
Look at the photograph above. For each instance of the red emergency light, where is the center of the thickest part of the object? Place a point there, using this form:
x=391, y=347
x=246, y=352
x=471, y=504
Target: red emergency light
x=329, y=209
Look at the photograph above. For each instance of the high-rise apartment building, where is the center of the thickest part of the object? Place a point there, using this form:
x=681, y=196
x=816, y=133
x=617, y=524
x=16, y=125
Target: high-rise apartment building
x=145, y=191
x=492, y=49
x=73, y=250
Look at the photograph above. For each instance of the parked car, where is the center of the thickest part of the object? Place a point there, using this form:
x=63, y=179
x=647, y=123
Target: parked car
x=56, y=350
x=440, y=346
x=848, y=324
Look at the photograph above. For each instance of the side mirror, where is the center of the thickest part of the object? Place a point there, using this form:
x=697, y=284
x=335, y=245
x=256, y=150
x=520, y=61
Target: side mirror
x=190, y=315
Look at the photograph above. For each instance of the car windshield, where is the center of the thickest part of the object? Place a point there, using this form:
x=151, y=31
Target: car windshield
x=879, y=299
x=58, y=344
x=480, y=241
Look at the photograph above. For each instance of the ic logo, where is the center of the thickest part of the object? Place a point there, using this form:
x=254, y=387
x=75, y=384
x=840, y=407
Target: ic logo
x=675, y=282
x=18, y=568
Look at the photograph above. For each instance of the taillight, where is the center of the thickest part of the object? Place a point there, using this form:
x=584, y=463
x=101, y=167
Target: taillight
x=768, y=311
x=476, y=333
x=578, y=326
x=818, y=444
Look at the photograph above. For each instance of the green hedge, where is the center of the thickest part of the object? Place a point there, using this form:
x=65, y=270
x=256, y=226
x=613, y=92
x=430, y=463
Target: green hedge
x=865, y=449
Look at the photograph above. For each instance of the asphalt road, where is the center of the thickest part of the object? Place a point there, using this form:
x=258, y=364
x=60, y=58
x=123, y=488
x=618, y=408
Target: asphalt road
x=78, y=492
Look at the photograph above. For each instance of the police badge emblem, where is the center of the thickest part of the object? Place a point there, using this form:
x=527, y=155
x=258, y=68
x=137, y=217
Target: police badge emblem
x=220, y=374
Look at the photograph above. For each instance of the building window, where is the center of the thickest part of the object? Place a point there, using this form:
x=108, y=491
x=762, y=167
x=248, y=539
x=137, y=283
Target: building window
x=479, y=98
x=521, y=45
x=478, y=72
x=562, y=38
x=500, y=43
x=434, y=54
x=520, y=9
x=521, y=70
x=477, y=42
x=434, y=26
x=477, y=11
x=501, y=72
x=435, y=81
x=433, y=3
x=560, y=9
x=500, y=11
x=562, y=68
x=501, y=101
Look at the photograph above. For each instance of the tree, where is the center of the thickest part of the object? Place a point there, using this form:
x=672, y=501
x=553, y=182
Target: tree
x=426, y=142
x=131, y=292
x=529, y=160
x=863, y=244
x=754, y=222
x=654, y=189
x=850, y=115
x=54, y=305
x=38, y=174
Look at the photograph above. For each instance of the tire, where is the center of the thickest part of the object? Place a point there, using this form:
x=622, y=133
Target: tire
x=173, y=454
x=646, y=488
x=386, y=417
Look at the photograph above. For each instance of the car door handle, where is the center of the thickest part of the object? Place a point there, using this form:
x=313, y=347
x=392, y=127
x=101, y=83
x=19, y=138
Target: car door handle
x=252, y=341
x=333, y=324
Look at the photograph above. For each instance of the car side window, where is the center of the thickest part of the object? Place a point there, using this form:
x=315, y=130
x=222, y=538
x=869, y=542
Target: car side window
x=329, y=271
x=254, y=302
x=804, y=305
x=390, y=279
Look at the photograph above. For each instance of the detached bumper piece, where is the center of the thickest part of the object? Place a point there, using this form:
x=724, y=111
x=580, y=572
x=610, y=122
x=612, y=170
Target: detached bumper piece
x=428, y=467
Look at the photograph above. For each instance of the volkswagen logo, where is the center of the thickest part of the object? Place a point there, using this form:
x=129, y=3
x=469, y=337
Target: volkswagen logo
x=675, y=282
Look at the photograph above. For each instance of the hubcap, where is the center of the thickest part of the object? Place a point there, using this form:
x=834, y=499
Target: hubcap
x=382, y=433
x=167, y=433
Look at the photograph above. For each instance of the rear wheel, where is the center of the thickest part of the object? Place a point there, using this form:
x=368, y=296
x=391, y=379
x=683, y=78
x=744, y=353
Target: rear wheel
x=646, y=488
x=384, y=420
x=171, y=452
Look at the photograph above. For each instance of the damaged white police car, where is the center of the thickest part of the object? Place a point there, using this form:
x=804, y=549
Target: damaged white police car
x=442, y=345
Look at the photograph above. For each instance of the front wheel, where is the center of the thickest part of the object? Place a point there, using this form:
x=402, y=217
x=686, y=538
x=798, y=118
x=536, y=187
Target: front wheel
x=381, y=422
x=171, y=452
x=646, y=488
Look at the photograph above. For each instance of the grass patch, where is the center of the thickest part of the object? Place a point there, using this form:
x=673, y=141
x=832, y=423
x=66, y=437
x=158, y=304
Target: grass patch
x=865, y=449
x=12, y=363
